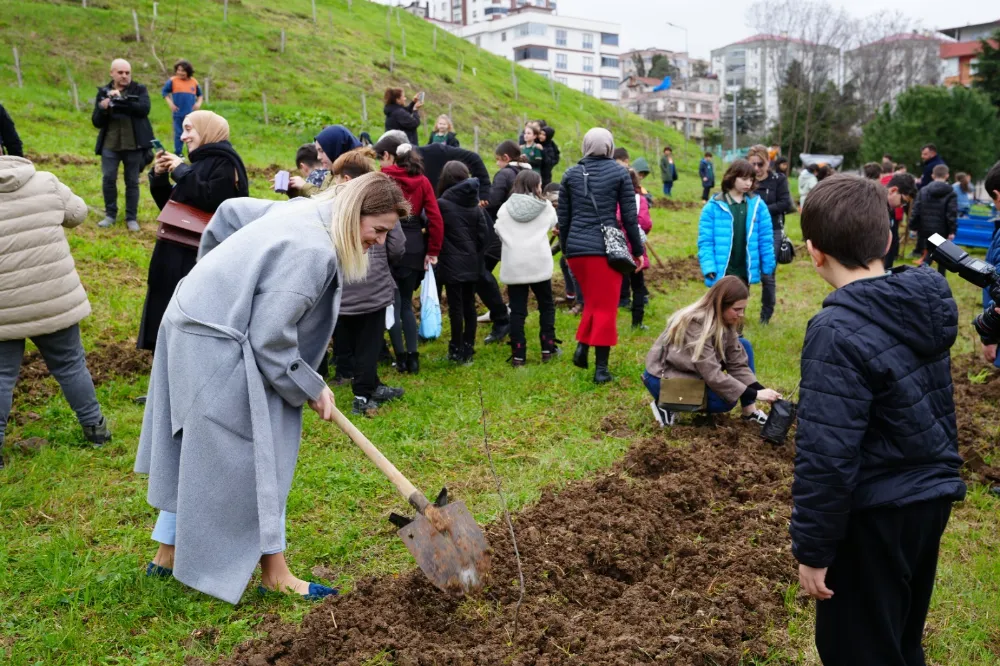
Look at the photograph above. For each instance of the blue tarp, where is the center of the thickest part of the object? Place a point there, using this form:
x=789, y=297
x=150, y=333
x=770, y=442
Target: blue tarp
x=663, y=86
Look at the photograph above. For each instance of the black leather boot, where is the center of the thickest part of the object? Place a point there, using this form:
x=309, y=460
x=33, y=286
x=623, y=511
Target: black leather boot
x=580, y=355
x=413, y=362
x=517, y=354
x=602, y=375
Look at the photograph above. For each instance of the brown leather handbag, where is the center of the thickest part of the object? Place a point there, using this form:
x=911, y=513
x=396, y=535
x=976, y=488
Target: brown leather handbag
x=683, y=394
x=182, y=224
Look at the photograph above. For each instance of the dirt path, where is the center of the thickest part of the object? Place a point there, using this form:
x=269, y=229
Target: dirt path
x=678, y=554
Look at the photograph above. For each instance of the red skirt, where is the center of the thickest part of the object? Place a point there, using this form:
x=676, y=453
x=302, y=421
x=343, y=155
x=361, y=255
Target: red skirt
x=601, y=286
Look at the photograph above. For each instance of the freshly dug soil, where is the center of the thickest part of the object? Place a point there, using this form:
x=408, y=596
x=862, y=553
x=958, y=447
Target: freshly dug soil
x=673, y=270
x=678, y=554
x=673, y=204
x=976, y=406
x=105, y=361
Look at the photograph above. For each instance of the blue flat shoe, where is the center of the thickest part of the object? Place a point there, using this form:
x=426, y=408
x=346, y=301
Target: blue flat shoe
x=315, y=593
x=154, y=570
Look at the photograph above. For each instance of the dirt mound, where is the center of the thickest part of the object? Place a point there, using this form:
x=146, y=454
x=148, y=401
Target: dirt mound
x=64, y=159
x=679, y=555
x=977, y=392
x=106, y=361
x=671, y=204
x=673, y=270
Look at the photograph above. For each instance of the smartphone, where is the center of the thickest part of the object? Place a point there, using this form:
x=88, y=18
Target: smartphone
x=158, y=147
x=281, y=182
x=420, y=96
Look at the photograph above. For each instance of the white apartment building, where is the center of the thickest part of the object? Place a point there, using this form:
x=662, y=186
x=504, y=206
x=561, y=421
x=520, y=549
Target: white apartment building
x=580, y=53
x=760, y=62
x=466, y=12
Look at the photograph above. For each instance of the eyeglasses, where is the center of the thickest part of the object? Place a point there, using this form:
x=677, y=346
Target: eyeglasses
x=756, y=165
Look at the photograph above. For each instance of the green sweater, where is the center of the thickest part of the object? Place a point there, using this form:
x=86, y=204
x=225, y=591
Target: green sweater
x=738, y=254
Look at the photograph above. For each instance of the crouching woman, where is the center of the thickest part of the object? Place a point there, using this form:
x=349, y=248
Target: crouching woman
x=236, y=360
x=701, y=363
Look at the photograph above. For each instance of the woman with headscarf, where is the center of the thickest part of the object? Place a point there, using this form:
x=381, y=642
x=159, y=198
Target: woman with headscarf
x=592, y=192
x=331, y=143
x=215, y=174
x=239, y=347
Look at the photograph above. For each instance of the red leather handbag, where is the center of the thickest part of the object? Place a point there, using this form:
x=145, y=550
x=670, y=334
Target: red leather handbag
x=182, y=224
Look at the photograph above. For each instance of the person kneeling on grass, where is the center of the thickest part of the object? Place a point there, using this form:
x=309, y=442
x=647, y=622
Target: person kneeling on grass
x=702, y=343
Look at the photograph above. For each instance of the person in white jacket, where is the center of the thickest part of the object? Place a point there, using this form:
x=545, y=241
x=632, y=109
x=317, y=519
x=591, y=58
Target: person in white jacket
x=523, y=226
x=41, y=297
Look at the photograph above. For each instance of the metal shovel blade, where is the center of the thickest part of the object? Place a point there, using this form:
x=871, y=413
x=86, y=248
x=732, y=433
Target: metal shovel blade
x=456, y=560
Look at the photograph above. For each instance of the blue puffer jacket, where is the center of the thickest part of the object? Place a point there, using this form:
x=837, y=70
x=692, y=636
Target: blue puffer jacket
x=580, y=232
x=715, y=239
x=877, y=412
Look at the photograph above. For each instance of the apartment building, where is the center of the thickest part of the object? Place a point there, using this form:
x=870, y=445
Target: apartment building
x=583, y=54
x=959, y=57
x=689, y=109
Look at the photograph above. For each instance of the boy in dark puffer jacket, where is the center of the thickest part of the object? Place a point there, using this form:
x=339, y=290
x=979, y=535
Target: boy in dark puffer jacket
x=935, y=210
x=876, y=464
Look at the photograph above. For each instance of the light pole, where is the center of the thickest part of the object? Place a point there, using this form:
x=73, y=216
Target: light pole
x=736, y=94
x=687, y=76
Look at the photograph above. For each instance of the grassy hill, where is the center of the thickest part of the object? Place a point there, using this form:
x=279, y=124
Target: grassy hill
x=319, y=79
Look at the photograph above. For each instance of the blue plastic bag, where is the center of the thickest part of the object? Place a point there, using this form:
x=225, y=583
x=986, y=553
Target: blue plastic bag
x=430, y=307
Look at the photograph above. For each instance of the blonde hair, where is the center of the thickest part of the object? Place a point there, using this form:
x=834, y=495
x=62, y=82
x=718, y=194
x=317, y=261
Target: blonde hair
x=707, y=311
x=355, y=163
x=371, y=194
x=444, y=116
x=760, y=151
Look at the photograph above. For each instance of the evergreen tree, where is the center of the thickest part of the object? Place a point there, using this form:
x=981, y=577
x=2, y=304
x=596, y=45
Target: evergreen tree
x=661, y=67
x=987, y=74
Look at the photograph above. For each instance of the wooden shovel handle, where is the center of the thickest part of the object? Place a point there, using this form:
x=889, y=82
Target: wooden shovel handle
x=405, y=488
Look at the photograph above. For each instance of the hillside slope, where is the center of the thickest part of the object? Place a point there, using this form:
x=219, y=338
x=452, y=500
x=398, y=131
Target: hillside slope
x=319, y=79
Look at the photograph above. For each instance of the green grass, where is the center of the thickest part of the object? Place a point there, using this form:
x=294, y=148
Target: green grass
x=75, y=522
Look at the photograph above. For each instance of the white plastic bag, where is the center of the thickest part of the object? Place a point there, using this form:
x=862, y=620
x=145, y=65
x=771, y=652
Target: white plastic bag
x=390, y=316
x=430, y=307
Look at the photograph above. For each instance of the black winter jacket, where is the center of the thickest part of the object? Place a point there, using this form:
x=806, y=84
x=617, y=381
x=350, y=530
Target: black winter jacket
x=436, y=155
x=935, y=210
x=550, y=155
x=138, y=109
x=927, y=175
x=465, y=233
x=877, y=413
x=10, y=142
x=216, y=173
x=580, y=224
x=403, y=118
x=774, y=191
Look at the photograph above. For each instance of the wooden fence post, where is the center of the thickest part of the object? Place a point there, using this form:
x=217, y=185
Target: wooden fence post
x=451, y=115
x=461, y=64
x=84, y=4
x=364, y=108
x=475, y=139
x=17, y=68
x=514, y=77
x=404, y=42
x=388, y=23
x=282, y=40
x=73, y=90
x=350, y=7
x=314, y=10
x=225, y=10
x=392, y=59
x=208, y=86
x=155, y=5
x=434, y=40
x=398, y=23
x=263, y=99
x=135, y=21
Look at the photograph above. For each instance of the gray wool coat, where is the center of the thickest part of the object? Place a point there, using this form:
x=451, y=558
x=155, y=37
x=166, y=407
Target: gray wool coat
x=235, y=363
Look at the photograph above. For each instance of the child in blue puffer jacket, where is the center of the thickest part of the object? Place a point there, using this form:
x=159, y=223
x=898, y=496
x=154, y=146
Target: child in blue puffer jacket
x=734, y=233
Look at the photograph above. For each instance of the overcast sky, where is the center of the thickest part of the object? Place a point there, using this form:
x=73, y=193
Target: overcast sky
x=715, y=23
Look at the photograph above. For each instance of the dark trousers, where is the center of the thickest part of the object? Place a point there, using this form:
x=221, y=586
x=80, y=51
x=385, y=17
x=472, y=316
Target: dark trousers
x=637, y=280
x=572, y=288
x=519, y=310
x=462, y=312
x=357, y=343
x=882, y=579
x=705, y=192
x=489, y=293
x=405, y=328
x=110, y=159
x=769, y=292
x=890, y=256
x=178, y=130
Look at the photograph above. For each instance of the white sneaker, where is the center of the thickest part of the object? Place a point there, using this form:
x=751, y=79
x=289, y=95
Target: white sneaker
x=484, y=319
x=108, y=221
x=758, y=417
x=663, y=417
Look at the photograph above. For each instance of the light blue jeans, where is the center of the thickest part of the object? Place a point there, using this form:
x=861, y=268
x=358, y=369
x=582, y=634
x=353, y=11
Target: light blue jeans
x=165, y=531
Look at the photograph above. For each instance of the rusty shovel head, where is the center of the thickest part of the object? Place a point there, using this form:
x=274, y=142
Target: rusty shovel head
x=455, y=558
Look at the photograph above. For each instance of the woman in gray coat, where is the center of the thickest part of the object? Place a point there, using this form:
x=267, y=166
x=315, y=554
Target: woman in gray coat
x=236, y=359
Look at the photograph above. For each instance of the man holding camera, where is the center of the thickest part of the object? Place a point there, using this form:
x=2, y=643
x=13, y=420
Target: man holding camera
x=121, y=113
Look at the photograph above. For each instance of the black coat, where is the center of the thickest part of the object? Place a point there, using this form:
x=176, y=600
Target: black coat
x=436, y=155
x=550, y=155
x=935, y=210
x=580, y=224
x=927, y=176
x=877, y=413
x=449, y=140
x=210, y=179
x=10, y=142
x=774, y=192
x=403, y=118
x=137, y=109
x=465, y=233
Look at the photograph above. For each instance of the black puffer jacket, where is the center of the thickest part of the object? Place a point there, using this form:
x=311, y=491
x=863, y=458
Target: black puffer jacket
x=550, y=155
x=216, y=173
x=936, y=210
x=465, y=233
x=436, y=155
x=774, y=191
x=403, y=118
x=876, y=415
x=580, y=224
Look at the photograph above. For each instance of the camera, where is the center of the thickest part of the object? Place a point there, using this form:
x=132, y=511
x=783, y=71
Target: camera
x=979, y=273
x=119, y=101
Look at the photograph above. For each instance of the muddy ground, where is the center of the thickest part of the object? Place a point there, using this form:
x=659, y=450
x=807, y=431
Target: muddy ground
x=678, y=554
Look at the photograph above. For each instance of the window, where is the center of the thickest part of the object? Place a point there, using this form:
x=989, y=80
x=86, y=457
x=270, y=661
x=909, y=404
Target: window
x=588, y=64
x=563, y=80
x=588, y=40
x=609, y=39
x=531, y=53
x=503, y=36
x=560, y=38
x=526, y=29
x=562, y=61
x=473, y=13
x=588, y=87
x=609, y=61
x=609, y=84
